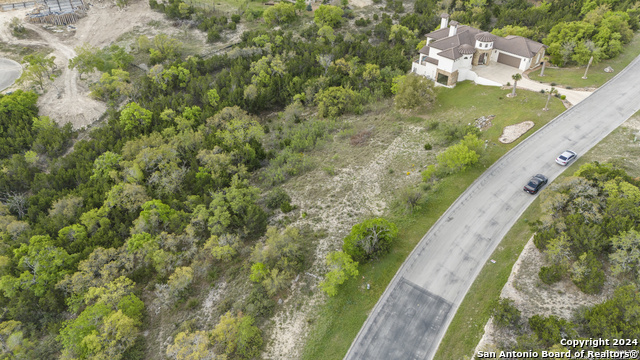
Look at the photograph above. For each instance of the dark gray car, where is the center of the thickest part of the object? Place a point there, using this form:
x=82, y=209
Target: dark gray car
x=536, y=183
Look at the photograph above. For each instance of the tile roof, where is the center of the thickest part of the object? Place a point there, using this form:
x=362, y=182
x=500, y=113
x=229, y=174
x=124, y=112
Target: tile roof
x=431, y=60
x=465, y=34
x=451, y=53
x=518, y=45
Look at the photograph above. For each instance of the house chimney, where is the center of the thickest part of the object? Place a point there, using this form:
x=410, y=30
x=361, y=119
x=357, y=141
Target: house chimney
x=444, y=20
x=453, y=29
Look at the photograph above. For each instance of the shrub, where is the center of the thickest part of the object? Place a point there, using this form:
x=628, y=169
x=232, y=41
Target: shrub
x=259, y=304
x=235, y=18
x=276, y=198
x=428, y=146
x=363, y=22
x=587, y=274
x=505, y=313
x=410, y=198
x=562, y=97
x=451, y=132
x=361, y=137
x=213, y=35
x=285, y=165
x=329, y=170
x=553, y=84
x=550, y=274
x=542, y=237
x=370, y=239
x=432, y=125
x=286, y=207
x=413, y=91
x=552, y=329
x=335, y=101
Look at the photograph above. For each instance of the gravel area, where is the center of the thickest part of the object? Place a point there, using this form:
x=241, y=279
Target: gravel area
x=512, y=132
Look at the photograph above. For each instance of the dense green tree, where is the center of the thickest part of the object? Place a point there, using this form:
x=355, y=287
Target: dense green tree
x=237, y=336
x=552, y=329
x=370, y=239
x=505, y=313
x=335, y=101
x=328, y=15
x=280, y=13
x=342, y=267
x=164, y=48
x=515, y=30
x=90, y=58
x=191, y=346
x=43, y=263
x=134, y=118
x=587, y=274
x=112, y=87
x=16, y=125
x=107, y=327
x=625, y=258
x=615, y=318
x=414, y=91
x=39, y=71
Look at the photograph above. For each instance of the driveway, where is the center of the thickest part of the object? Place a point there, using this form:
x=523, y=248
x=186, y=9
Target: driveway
x=9, y=72
x=413, y=314
x=501, y=74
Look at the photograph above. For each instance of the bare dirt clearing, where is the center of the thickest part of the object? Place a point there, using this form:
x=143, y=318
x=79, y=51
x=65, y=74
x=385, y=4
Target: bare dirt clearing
x=532, y=296
x=511, y=133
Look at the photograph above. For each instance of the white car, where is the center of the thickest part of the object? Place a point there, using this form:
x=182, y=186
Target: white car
x=566, y=157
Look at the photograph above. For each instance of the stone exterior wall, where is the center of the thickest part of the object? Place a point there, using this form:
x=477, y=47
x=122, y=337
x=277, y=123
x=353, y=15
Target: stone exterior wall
x=478, y=53
x=541, y=53
x=452, y=78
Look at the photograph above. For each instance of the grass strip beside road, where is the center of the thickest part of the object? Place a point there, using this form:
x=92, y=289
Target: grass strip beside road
x=596, y=76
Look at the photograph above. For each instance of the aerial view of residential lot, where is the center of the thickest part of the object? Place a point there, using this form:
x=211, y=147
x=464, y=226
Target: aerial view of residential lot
x=345, y=179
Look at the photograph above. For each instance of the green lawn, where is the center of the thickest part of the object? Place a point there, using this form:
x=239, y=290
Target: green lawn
x=341, y=317
x=596, y=76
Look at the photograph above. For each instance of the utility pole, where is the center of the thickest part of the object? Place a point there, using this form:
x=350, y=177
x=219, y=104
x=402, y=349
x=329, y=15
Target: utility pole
x=588, y=64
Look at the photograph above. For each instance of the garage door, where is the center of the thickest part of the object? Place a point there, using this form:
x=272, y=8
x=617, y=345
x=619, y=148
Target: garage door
x=509, y=60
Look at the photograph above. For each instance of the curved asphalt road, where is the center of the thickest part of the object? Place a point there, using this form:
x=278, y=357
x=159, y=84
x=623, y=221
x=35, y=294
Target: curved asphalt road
x=415, y=310
x=9, y=72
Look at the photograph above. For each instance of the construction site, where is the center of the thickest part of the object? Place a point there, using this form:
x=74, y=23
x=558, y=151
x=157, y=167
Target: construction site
x=53, y=12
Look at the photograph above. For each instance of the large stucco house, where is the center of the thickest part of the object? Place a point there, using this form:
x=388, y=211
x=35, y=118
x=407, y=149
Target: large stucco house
x=452, y=51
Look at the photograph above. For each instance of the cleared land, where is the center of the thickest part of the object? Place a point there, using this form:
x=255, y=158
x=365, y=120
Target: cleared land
x=340, y=318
